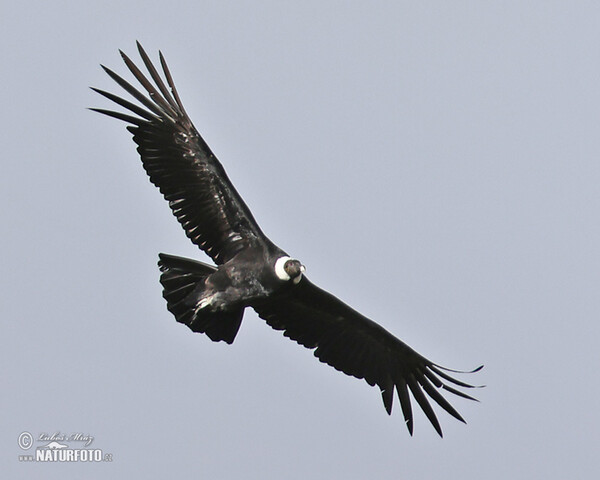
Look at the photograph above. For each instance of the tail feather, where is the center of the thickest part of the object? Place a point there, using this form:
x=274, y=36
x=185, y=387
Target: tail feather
x=181, y=278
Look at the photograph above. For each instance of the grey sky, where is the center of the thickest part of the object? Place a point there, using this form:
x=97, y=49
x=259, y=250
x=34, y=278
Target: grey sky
x=433, y=164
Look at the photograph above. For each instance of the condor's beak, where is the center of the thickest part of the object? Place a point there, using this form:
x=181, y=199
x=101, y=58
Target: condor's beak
x=302, y=269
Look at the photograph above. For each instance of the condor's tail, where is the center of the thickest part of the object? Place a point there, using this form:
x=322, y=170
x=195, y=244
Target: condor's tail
x=182, y=280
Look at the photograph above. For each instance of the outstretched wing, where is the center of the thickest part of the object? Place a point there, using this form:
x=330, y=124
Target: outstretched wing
x=357, y=346
x=182, y=166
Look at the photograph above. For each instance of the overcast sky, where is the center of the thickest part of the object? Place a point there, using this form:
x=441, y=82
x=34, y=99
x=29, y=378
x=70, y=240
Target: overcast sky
x=433, y=164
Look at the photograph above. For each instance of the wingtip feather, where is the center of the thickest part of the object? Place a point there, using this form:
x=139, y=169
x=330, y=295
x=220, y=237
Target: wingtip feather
x=388, y=399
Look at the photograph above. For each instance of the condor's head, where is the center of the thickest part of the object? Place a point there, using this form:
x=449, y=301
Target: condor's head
x=287, y=269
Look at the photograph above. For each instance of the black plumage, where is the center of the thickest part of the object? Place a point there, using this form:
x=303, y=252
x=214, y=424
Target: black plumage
x=250, y=270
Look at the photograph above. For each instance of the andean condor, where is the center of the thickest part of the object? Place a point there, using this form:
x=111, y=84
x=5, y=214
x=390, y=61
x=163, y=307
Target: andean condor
x=250, y=270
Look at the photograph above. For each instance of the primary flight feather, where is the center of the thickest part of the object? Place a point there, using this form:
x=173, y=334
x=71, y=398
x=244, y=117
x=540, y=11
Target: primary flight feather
x=250, y=270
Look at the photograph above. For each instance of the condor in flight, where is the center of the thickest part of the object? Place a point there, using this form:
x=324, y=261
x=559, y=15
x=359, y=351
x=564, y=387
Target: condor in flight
x=250, y=270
